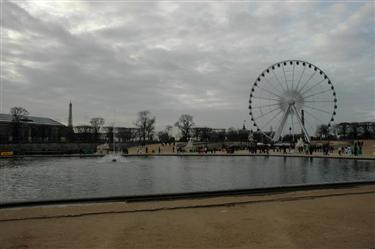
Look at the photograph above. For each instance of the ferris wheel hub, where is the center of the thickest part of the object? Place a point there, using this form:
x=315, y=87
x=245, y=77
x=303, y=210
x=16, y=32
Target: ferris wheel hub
x=291, y=97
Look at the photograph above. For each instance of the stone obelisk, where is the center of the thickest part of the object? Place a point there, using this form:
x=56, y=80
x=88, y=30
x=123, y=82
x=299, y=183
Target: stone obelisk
x=70, y=121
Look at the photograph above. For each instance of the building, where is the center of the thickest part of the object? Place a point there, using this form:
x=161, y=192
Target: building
x=356, y=130
x=127, y=134
x=122, y=134
x=31, y=129
x=206, y=134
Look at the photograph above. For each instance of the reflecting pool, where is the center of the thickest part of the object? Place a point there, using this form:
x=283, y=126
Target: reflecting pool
x=30, y=179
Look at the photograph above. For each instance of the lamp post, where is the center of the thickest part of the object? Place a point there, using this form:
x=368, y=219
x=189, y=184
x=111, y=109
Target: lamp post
x=290, y=134
x=251, y=140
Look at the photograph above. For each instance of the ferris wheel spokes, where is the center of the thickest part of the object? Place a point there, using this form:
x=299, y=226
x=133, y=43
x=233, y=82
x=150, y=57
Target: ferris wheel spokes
x=274, y=94
x=317, y=109
x=318, y=93
x=273, y=118
x=279, y=131
x=303, y=71
x=286, y=82
x=305, y=84
x=274, y=87
x=266, y=98
x=313, y=116
x=257, y=107
x=278, y=81
x=317, y=84
x=318, y=101
x=265, y=114
x=293, y=77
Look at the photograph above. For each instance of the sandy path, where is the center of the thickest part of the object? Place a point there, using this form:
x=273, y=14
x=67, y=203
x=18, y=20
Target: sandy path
x=332, y=218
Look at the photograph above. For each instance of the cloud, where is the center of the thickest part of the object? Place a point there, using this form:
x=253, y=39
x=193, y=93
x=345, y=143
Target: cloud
x=117, y=58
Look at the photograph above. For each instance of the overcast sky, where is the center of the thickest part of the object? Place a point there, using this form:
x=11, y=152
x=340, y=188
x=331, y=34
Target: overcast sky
x=115, y=58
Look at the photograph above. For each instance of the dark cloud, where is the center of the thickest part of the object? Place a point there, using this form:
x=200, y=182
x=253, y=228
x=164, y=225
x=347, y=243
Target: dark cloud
x=115, y=59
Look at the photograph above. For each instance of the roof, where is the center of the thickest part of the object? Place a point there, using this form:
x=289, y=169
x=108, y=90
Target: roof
x=7, y=118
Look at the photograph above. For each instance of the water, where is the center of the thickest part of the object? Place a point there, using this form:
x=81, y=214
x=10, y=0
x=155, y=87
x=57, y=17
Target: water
x=31, y=179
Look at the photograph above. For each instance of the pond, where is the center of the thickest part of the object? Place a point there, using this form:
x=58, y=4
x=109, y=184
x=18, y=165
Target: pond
x=33, y=179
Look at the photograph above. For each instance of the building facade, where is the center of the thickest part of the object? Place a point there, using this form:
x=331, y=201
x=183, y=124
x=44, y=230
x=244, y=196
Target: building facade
x=31, y=130
x=356, y=130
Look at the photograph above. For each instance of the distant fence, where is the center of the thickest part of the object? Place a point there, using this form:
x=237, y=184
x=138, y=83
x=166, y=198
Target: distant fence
x=50, y=148
x=59, y=148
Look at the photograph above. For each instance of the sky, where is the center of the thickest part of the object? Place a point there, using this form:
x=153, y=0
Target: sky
x=113, y=59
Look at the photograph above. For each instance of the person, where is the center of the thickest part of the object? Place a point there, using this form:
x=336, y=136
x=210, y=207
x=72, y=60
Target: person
x=349, y=150
x=360, y=150
x=339, y=150
x=355, y=149
x=306, y=149
x=159, y=150
x=311, y=149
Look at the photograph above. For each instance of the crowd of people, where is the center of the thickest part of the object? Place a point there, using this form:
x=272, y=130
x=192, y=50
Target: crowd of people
x=355, y=150
x=309, y=149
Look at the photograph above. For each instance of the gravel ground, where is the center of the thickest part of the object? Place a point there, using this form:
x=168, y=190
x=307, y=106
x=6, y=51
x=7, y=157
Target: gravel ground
x=330, y=218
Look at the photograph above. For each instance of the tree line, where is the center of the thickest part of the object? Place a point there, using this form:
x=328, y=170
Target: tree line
x=144, y=130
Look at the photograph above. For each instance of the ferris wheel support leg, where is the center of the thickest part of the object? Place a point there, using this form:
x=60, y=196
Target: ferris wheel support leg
x=301, y=124
x=277, y=135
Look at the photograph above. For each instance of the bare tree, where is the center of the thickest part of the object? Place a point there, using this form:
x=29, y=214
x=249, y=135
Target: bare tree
x=18, y=113
x=125, y=134
x=110, y=134
x=232, y=134
x=165, y=136
x=97, y=123
x=323, y=131
x=184, y=124
x=146, y=125
x=354, y=130
x=168, y=129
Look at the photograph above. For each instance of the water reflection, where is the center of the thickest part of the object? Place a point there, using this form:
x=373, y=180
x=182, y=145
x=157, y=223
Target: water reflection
x=64, y=178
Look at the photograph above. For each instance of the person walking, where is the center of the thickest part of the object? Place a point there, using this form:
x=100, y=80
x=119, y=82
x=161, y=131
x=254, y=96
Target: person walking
x=360, y=152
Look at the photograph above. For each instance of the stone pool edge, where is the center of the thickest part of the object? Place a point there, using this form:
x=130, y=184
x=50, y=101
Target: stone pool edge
x=188, y=195
x=195, y=154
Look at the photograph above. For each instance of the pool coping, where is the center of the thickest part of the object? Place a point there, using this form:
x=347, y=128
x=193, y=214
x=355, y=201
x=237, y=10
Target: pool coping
x=187, y=195
x=197, y=155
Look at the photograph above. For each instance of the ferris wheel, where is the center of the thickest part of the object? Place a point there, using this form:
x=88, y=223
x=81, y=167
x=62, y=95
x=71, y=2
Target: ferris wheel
x=292, y=97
